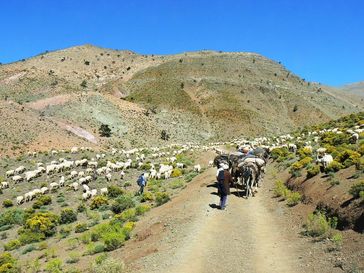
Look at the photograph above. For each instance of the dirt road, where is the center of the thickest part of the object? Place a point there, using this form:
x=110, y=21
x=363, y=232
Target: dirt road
x=189, y=235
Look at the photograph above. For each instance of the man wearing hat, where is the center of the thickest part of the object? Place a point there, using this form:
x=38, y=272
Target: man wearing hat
x=224, y=180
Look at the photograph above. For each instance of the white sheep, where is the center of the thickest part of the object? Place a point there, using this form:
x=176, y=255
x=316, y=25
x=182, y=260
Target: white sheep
x=74, y=150
x=19, y=200
x=211, y=163
x=74, y=185
x=197, y=168
x=122, y=174
x=10, y=173
x=73, y=174
x=20, y=170
x=17, y=179
x=104, y=191
x=325, y=160
x=180, y=165
x=53, y=186
x=93, y=192
x=44, y=190
x=108, y=177
x=4, y=185
x=86, y=195
x=355, y=137
x=81, y=174
x=61, y=181
x=29, y=196
x=85, y=188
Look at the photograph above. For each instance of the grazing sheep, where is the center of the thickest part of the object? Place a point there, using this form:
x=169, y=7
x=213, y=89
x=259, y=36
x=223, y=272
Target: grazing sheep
x=104, y=191
x=86, y=195
x=4, y=185
x=10, y=173
x=197, y=168
x=211, y=163
x=74, y=185
x=19, y=200
x=20, y=170
x=17, y=179
x=44, y=190
x=50, y=168
x=53, y=186
x=108, y=177
x=93, y=192
x=85, y=188
x=74, y=150
x=122, y=174
x=180, y=165
x=28, y=196
x=61, y=181
x=73, y=174
x=81, y=174
x=325, y=160
x=355, y=137
x=30, y=175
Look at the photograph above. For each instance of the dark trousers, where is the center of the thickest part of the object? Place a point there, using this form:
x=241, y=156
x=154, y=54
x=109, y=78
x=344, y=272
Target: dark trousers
x=141, y=190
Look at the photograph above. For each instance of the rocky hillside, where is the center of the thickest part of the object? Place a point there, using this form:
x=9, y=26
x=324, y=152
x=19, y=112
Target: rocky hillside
x=196, y=96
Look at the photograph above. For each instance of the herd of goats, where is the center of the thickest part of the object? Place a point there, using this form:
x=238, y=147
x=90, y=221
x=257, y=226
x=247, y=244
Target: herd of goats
x=247, y=168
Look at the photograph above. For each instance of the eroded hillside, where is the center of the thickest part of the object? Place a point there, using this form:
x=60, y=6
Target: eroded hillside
x=196, y=96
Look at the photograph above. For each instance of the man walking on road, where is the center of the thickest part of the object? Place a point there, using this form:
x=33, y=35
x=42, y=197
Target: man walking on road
x=224, y=180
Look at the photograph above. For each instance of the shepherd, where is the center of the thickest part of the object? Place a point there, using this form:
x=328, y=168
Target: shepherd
x=142, y=182
x=224, y=180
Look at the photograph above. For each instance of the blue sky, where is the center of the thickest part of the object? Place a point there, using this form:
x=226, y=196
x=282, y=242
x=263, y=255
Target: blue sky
x=320, y=40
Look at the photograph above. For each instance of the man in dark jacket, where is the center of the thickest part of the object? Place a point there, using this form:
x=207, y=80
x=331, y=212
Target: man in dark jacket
x=224, y=186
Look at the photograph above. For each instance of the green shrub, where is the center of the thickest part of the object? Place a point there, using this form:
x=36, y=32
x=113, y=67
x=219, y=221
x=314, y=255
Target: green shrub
x=161, y=198
x=107, y=265
x=11, y=245
x=313, y=171
x=42, y=223
x=141, y=209
x=147, y=196
x=280, y=190
x=8, y=264
x=98, y=201
x=73, y=258
x=304, y=152
x=293, y=198
x=13, y=216
x=27, y=236
x=190, y=176
x=337, y=239
x=301, y=163
x=121, y=203
x=348, y=157
x=357, y=189
x=113, y=240
x=176, y=172
x=318, y=224
x=7, y=203
x=181, y=158
x=54, y=266
x=68, y=216
x=279, y=152
x=81, y=208
x=127, y=215
x=98, y=248
x=177, y=184
x=114, y=191
x=334, y=139
x=81, y=227
x=28, y=249
x=65, y=231
x=42, y=201
x=334, y=166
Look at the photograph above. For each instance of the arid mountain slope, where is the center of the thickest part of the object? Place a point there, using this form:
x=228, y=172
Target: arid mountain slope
x=195, y=96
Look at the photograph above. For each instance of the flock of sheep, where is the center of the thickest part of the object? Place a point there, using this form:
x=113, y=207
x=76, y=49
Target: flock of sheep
x=81, y=172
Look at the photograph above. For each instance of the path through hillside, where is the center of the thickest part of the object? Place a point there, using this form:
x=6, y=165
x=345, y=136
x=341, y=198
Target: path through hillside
x=187, y=235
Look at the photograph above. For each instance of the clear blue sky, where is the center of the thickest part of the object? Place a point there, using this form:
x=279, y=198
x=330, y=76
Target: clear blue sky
x=320, y=40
